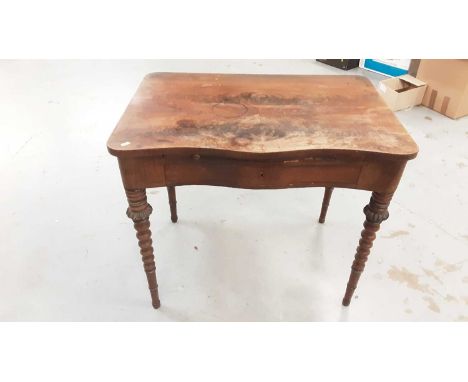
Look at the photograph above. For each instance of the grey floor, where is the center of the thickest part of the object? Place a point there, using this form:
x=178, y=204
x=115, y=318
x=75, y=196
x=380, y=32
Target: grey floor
x=68, y=252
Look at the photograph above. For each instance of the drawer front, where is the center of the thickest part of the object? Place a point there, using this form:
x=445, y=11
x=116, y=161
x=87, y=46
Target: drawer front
x=261, y=174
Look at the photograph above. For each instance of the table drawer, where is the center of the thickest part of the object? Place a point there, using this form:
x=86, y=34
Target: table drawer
x=261, y=174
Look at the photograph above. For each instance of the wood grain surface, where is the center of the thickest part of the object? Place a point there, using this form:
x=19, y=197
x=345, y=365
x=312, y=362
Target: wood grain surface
x=258, y=115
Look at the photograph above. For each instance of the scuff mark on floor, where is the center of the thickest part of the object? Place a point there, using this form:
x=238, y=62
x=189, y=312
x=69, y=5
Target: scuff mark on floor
x=431, y=304
x=462, y=318
x=449, y=267
x=23, y=146
x=430, y=273
x=450, y=298
x=396, y=234
x=408, y=311
x=411, y=280
x=427, y=220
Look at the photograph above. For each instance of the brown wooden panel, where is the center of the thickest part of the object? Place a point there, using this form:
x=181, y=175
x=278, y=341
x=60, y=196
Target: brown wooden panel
x=381, y=176
x=261, y=174
x=142, y=172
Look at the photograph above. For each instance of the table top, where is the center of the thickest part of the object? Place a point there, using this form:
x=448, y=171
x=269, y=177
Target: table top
x=258, y=115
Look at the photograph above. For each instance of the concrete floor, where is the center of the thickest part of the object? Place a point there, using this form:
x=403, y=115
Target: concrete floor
x=69, y=253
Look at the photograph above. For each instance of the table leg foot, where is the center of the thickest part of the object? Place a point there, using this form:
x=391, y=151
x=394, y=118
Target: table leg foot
x=139, y=211
x=172, y=203
x=376, y=212
x=326, y=201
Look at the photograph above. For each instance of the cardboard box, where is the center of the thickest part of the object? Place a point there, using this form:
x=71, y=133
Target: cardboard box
x=447, y=86
x=341, y=63
x=413, y=67
x=402, y=92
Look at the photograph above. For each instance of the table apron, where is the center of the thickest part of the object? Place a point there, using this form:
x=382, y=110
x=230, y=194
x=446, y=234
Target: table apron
x=372, y=175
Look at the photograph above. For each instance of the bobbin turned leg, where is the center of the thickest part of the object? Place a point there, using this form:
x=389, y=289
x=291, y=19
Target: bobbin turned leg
x=139, y=211
x=376, y=212
x=172, y=203
x=326, y=201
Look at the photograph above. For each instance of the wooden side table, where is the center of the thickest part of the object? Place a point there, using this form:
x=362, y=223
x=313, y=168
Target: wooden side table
x=259, y=132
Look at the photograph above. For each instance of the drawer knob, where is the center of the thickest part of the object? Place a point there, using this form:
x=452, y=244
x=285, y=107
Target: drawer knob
x=196, y=156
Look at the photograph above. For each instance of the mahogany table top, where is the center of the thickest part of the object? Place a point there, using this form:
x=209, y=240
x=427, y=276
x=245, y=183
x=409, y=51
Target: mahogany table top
x=258, y=115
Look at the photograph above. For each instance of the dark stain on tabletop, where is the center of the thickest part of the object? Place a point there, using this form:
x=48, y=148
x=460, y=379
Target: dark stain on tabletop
x=186, y=123
x=239, y=130
x=260, y=99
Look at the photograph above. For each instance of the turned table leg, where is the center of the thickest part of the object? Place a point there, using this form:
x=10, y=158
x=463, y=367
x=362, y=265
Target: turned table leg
x=139, y=211
x=376, y=212
x=326, y=201
x=172, y=203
